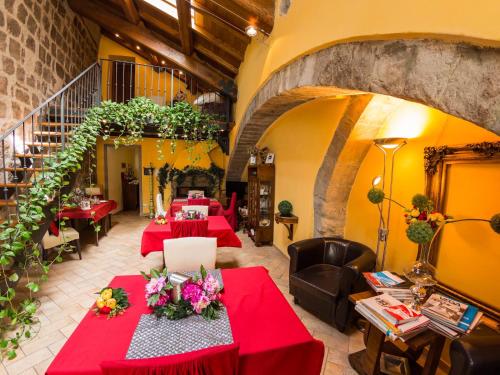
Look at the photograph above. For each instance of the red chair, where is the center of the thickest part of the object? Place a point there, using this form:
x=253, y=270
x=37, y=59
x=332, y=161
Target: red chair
x=199, y=202
x=212, y=361
x=189, y=228
x=231, y=214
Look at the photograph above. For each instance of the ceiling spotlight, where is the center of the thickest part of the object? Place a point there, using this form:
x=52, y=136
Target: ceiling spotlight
x=138, y=47
x=181, y=72
x=376, y=181
x=163, y=62
x=251, y=31
x=117, y=35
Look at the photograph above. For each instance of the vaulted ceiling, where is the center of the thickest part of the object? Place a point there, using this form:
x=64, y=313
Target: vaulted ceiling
x=203, y=37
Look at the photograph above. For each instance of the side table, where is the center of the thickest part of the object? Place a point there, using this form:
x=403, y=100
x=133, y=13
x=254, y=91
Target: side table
x=367, y=361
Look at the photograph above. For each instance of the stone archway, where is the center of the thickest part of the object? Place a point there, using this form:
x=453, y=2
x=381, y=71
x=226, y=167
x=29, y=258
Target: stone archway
x=457, y=78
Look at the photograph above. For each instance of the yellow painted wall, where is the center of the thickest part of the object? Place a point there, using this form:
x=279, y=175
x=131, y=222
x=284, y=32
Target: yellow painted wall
x=201, y=156
x=148, y=82
x=312, y=25
x=299, y=140
x=431, y=128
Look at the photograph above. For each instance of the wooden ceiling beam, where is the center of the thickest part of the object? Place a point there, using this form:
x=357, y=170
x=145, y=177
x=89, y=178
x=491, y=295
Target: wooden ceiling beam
x=159, y=24
x=184, y=19
x=113, y=23
x=130, y=11
x=262, y=11
x=200, y=47
x=212, y=39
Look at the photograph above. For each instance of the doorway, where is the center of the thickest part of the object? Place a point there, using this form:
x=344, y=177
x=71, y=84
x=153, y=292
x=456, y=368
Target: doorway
x=122, y=177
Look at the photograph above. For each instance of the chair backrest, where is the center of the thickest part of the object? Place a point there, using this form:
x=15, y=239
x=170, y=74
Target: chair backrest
x=187, y=254
x=198, y=201
x=189, y=228
x=196, y=193
x=67, y=235
x=160, y=211
x=211, y=361
x=339, y=251
x=232, y=205
x=201, y=209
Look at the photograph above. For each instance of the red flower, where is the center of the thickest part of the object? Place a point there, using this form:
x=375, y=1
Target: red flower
x=105, y=310
x=422, y=216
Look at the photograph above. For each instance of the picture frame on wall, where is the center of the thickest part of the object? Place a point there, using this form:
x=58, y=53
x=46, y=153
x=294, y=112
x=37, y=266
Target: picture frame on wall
x=270, y=158
x=253, y=160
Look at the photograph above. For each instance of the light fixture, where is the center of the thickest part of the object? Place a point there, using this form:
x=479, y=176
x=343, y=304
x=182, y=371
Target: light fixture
x=385, y=145
x=181, y=72
x=138, y=47
x=376, y=180
x=117, y=35
x=163, y=62
x=251, y=31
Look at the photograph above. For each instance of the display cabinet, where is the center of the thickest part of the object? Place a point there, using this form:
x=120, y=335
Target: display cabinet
x=261, y=203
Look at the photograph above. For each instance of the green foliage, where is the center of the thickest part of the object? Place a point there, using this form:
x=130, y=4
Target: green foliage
x=20, y=256
x=495, y=223
x=376, y=195
x=285, y=208
x=420, y=232
x=421, y=202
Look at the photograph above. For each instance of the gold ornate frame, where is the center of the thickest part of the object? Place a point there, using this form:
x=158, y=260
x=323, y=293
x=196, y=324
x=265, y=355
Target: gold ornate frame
x=436, y=162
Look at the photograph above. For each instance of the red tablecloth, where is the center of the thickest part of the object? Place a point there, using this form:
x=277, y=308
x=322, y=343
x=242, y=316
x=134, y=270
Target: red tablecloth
x=96, y=213
x=214, y=209
x=154, y=234
x=189, y=228
x=272, y=338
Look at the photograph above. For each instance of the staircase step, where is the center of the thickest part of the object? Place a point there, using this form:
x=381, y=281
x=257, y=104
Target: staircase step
x=8, y=203
x=44, y=144
x=42, y=133
x=56, y=124
x=21, y=169
x=18, y=185
x=34, y=156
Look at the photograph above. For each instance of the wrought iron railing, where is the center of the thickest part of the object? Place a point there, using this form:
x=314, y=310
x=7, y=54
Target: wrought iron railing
x=25, y=147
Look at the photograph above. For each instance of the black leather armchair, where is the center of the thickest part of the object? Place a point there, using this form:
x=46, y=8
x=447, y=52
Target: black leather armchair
x=324, y=271
x=477, y=353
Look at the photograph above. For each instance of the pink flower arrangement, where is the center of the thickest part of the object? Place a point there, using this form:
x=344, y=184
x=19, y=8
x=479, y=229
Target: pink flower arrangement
x=201, y=296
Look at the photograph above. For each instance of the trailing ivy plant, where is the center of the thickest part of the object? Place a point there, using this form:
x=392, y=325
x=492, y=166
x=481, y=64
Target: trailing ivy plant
x=21, y=263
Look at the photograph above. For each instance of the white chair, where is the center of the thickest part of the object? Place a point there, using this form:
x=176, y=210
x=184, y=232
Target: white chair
x=160, y=211
x=196, y=193
x=201, y=209
x=188, y=253
x=66, y=235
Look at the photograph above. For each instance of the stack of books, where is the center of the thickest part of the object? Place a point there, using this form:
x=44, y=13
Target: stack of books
x=395, y=319
x=450, y=317
x=389, y=283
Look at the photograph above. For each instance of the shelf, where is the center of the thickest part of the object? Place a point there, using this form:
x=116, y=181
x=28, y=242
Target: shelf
x=288, y=222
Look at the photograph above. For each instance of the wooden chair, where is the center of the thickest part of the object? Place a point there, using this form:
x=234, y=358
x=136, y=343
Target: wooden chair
x=65, y=235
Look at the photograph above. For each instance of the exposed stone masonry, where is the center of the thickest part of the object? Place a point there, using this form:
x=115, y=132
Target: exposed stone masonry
x=43, y=45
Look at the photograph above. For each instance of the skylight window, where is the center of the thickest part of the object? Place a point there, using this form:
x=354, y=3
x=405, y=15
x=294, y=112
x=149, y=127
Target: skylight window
x=169, y=7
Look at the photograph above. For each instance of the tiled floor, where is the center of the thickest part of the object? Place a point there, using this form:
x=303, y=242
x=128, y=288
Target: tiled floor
x=69, y=292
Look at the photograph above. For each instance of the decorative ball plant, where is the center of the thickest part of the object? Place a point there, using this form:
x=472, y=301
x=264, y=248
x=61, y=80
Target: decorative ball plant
x=495, y=223
x=285, y=208
x=376, y=195
x=420, y=232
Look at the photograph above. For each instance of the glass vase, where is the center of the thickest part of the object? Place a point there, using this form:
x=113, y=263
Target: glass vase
x=421, y=273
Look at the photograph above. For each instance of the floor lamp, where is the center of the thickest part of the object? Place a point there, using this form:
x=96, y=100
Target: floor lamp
x=149, y=171
x=389, y=148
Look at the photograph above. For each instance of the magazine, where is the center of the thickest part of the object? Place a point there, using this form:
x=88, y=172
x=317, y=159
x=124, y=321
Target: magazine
x=444, y=308
x=399, y=314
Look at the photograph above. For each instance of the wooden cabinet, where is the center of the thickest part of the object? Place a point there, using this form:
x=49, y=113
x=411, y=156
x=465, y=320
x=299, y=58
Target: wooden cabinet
x=261, y=203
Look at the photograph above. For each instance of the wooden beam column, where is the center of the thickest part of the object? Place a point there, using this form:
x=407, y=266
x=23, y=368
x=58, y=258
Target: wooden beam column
x=185, y=31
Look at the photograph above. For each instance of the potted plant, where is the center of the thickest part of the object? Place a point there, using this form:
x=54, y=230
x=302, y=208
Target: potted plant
x=285, y=208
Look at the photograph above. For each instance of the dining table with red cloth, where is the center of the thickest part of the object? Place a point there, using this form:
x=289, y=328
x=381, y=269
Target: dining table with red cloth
x=189, y=228
x=272, y=340
x=214, y=208
x=96, y=212
x=154, y=234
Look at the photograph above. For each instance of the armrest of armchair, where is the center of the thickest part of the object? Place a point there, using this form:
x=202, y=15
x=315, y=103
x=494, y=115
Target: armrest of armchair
x=351, y=280
x=476, y=353
x=306, y=253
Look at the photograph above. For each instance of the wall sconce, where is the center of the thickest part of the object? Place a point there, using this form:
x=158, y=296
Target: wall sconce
x=387, y=146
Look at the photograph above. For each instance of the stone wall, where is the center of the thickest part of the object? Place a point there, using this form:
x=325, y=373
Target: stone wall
x=43, y=45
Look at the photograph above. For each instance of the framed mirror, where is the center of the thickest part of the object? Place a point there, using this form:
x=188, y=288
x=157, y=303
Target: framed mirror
x=464, y=182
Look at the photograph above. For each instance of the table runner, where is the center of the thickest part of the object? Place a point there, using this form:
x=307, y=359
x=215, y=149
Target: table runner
x=154, y=234
x=272, y=338
x=158, y=337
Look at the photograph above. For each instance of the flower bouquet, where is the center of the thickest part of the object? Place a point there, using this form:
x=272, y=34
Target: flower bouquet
x=111, y=302
x=199, y=296
x=161, y=220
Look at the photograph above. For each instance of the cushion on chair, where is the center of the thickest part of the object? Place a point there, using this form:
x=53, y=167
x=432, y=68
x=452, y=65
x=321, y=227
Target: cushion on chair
x=66, y=235
x=324, y=278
